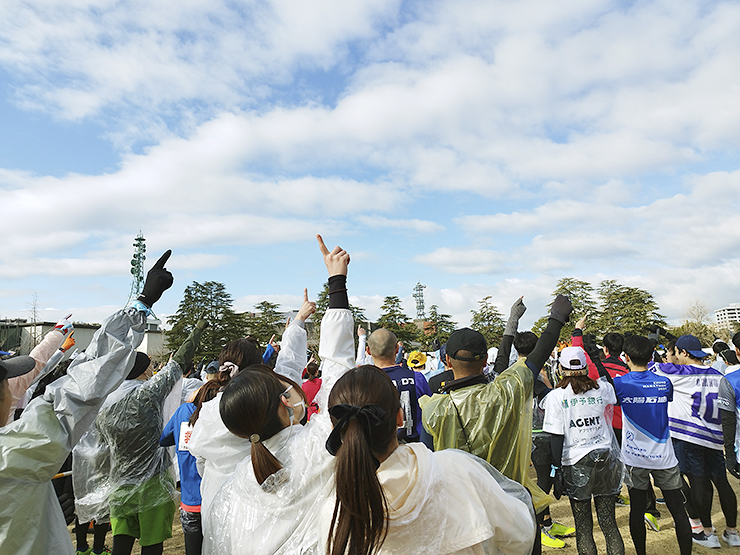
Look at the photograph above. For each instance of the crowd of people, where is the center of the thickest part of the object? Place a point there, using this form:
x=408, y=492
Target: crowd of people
x=369, y=451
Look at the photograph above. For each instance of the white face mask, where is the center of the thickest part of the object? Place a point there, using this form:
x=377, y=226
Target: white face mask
x=291, y=408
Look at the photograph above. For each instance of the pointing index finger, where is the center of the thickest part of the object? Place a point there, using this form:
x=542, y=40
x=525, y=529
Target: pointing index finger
x=305, y=294
x=322, y=246
x=159, y=265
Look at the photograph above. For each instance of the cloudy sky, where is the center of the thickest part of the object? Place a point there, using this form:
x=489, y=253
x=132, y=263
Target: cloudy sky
x=481, y=147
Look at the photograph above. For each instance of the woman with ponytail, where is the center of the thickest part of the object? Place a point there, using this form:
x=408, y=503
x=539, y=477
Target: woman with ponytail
x=270, y=504
x=392, y=499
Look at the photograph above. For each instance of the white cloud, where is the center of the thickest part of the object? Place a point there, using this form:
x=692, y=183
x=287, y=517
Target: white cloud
x=408, y=226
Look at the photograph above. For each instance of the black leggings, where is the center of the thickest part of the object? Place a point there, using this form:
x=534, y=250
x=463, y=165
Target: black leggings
x=81, y=529
x=123, y=544
x=544, y=481
x=701, y=495
x=674, y=502
x=607, y=522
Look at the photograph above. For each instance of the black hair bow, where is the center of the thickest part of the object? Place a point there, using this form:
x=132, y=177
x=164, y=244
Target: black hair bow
x=368, y=416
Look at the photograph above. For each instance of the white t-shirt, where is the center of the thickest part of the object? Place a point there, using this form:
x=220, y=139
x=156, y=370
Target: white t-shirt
x=580, y=418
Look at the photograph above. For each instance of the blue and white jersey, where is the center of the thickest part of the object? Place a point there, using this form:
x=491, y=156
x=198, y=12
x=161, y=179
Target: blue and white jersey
x=646, y=439
x=729, y=397
x=694, y=415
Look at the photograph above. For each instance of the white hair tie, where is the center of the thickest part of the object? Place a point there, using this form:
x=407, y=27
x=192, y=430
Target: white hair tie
x=229, y=367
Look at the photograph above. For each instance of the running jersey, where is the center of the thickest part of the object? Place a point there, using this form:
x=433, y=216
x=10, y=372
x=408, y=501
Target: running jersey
x=580, y=418
x=405, y=381
x=729, y=396
x=693, y=415
x=646, y=439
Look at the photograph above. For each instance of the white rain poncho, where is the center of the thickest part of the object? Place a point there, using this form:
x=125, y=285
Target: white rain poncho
x=33, y=448
x=448, y=502
x=281, y=516
x=216, y=449
x=120, y=457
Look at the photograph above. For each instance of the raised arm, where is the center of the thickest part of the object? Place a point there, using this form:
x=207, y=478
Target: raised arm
x=336, y=347
x=504, y=350
x=291, y=358
x=559, y=314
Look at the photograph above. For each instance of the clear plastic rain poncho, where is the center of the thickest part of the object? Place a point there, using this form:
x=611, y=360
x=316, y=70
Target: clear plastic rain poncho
x=119, y=465
x=281, y=515
x=33, y=448
x=497, y=420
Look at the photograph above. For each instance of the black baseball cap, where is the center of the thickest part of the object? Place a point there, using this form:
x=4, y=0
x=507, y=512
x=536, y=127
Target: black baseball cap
x=469, y=340
x=16, y=366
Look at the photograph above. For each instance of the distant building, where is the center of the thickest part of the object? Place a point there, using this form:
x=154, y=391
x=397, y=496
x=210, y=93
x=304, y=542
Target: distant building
x=21, y=336
x=728, y=316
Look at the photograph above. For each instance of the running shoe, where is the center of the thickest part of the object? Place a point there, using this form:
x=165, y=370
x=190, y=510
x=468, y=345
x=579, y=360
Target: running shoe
x=660, y=501
x=623, y=501
x=560, y=530
x=550, y=541
x=711, y=541
x=652, y=522
x=731, y=538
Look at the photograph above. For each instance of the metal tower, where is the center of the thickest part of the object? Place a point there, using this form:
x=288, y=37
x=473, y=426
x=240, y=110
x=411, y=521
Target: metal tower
x=419, y=296
x=137, y=268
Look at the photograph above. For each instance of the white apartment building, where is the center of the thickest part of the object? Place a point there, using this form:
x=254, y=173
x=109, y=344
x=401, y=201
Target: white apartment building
x=728, y=316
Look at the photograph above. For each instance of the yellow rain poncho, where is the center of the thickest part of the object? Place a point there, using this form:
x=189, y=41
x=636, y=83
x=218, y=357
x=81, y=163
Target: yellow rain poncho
x=497, y=420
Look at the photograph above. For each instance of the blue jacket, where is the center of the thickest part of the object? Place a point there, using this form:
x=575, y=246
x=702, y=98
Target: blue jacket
x=189, y=477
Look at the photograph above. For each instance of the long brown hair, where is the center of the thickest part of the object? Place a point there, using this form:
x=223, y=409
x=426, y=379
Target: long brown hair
x=207, y=392
x=580, y=384
x=249, y=408
x=242, y=352
x=358, y=525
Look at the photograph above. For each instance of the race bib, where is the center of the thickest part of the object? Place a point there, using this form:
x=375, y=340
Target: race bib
x=186, y=431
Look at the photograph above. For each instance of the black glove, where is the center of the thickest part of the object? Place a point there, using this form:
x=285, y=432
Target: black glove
x=158, y=280
x=732, y=467
x=68, y=507
x=592, y=350
x=558, y=484
x=561, y=309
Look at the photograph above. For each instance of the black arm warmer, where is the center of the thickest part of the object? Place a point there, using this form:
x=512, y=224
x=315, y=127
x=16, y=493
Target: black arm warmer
x=556, y=445
x=504, y=352
x=545, y=344
x=728, y=432
x=338, y=292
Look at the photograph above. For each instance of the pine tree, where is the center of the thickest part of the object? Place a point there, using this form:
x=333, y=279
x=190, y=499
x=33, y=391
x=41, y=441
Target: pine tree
x=394, y=319
x=489, y=321
x=438, y=326
x=626, y=309
x=265, y=322
x=211, y=301
x=581, y=295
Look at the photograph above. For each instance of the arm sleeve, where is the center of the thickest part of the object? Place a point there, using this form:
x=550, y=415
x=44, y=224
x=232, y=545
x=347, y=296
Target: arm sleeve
x=545, y=344
x=338, y=292
x=184, y=355
x=41, y=353
x=504, y=353
x=336, y=350
x=556, y=445
x=729, y=425
x=422, y=385
x=291, y=359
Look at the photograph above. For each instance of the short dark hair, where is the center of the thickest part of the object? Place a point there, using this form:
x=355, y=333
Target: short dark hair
x=639, y=349
x=524, y=342
x=614, y=342
x=719, y=346
x=736, y=340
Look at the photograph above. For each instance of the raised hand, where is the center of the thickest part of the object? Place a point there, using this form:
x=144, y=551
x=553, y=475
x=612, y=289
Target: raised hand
x=307, y=308
x=361, y=331
x=158, y=280
x=581, y=324
x=336, y=261
x=64, y=325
